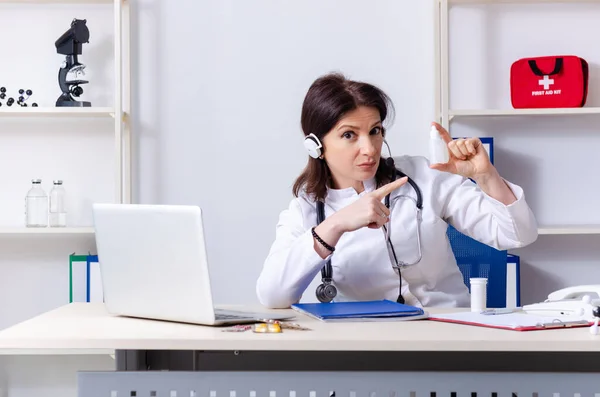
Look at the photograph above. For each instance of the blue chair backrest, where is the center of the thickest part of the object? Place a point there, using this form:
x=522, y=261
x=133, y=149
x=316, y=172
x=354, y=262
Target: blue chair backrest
x=476, y=259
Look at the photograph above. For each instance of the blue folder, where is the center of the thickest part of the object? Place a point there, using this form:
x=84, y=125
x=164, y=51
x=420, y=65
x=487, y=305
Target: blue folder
x=359, y=311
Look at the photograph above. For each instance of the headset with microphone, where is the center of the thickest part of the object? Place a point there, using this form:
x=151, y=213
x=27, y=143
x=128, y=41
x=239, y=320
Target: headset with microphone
x=313, y=146
x=326, y=291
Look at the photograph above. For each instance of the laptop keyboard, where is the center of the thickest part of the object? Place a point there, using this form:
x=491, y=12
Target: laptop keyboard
x=228, y=317
x=219, y=315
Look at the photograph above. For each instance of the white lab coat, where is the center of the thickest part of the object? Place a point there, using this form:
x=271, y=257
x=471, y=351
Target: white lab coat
x=361, y=264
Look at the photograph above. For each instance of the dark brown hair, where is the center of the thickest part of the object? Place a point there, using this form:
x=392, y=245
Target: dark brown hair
x=328, y=99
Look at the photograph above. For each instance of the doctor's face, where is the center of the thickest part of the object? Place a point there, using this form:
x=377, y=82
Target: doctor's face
x=353, y=148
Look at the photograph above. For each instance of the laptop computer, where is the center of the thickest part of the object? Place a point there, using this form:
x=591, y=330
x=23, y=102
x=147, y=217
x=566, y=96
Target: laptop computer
x=153, y=264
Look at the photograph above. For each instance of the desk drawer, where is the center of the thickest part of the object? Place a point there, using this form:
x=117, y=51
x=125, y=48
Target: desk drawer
x=338, y=384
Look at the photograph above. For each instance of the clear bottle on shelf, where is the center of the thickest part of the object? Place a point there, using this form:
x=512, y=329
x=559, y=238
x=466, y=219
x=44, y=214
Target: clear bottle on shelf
x=58, y=212
x=36, y=205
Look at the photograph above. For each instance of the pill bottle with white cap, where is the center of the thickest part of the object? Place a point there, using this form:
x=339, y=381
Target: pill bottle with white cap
x=438, y=149
x=478, y=294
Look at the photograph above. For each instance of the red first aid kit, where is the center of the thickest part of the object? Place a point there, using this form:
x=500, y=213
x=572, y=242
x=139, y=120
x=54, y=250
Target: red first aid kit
x=549, y=82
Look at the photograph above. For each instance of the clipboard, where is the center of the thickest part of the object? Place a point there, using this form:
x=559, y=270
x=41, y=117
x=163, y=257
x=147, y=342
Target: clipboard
x=516, y=321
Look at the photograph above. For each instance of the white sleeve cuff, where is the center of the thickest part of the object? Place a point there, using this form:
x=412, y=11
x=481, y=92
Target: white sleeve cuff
x=311, y=258
x=518, y=219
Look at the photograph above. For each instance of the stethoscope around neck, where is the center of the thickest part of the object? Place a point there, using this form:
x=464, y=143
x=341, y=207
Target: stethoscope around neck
x=326, y=291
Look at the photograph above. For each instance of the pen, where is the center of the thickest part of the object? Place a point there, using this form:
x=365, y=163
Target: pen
x=497, y=311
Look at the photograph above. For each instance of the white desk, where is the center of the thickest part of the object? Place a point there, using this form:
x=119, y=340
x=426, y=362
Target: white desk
x=84, y=328
x=373, y=346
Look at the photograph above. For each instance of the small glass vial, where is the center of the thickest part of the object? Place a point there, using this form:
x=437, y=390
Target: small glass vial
x=58, y=213
x=36, y=205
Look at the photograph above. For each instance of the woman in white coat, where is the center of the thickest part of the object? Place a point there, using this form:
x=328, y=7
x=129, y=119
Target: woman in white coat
x=373, y=243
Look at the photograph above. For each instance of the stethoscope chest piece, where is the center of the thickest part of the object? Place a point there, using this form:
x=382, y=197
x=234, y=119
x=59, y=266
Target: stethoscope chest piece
x=326, y=291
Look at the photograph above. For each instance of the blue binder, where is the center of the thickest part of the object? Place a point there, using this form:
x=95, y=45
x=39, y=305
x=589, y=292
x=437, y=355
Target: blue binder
x=382, y=310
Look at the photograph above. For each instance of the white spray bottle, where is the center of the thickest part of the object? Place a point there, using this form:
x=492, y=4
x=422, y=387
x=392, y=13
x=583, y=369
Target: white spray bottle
x=438, y=150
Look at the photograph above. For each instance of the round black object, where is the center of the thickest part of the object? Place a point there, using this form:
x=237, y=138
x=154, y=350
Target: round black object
x=77, y=91
x=326, y=292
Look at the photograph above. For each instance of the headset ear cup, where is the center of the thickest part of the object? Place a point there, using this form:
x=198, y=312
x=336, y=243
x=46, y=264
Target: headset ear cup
x=313, y=146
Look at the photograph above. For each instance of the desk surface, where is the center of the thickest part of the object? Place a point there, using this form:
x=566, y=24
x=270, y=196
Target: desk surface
x=86, y=328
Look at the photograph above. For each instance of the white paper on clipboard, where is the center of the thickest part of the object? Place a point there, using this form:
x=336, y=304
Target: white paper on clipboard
x=518, y=321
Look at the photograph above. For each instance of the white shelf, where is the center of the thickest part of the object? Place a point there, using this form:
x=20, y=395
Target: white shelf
x=523, y=112
x=17, y=111
x=569, y=229
x=56, y=1
x=452, y=2
x=59, y=352
x=14, y=230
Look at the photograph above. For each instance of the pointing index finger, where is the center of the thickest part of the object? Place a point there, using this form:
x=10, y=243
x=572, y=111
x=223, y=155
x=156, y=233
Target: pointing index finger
x=390, y=187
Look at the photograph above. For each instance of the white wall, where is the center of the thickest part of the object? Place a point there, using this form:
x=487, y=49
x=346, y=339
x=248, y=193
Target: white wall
x=219, y=93
x=219, y=106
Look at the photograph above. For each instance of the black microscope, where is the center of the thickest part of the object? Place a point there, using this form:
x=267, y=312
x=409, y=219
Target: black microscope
x=70, y=44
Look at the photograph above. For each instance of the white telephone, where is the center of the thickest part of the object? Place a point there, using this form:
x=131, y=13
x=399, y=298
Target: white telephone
x=576, y=292
x=577, y=301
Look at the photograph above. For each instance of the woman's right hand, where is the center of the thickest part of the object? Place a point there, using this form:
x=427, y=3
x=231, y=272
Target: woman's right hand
x=367, y=211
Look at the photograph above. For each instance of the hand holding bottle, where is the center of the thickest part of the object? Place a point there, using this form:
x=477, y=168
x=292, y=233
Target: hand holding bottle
x=465, y=157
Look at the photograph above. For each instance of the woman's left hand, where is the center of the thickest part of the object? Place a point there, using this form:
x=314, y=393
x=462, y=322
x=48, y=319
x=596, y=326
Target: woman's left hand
x=467, y=157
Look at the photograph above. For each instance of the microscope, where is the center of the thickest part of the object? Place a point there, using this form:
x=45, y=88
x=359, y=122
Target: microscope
x=70, y=45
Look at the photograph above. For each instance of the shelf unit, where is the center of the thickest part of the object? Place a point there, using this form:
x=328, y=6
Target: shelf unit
x=46, y=230
x=520, y=112
x=446, y=114
x=453, y=2
x=119, y=112
x=570, y=229
x=56, y=112
x=57, y=1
